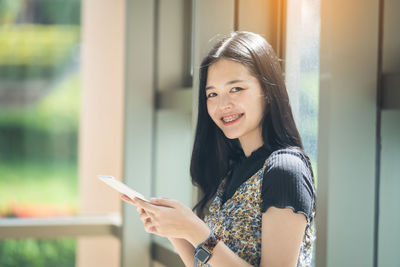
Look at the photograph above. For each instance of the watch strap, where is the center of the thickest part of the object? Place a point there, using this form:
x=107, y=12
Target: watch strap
x=207, y=247
x=211, y=242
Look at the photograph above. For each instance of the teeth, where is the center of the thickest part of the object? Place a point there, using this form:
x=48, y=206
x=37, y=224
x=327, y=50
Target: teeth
x=231, y=118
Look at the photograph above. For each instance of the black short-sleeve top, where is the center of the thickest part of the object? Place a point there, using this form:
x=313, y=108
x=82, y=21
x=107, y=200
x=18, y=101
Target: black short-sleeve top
x=281, y=179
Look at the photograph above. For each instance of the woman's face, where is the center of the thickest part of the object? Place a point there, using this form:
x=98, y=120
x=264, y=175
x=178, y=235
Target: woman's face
x=235, y=100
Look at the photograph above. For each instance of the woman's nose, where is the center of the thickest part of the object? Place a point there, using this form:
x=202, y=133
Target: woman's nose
x=225, y=102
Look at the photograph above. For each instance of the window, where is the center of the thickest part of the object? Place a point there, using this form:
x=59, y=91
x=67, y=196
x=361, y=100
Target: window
x=302, y=69
x=302, y=72
x=39, y=118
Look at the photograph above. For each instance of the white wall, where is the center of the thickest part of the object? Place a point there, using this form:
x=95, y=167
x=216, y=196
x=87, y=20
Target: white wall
x=389, y=216
x=346, y=141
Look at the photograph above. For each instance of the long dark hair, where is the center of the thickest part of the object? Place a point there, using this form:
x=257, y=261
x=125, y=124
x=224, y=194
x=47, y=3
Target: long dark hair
x=212, y=152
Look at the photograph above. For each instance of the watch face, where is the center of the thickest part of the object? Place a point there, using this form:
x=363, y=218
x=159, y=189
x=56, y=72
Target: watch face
x=203, y=255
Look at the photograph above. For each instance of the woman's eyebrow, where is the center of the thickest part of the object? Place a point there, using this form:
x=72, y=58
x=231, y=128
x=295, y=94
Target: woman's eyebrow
x=227, y=83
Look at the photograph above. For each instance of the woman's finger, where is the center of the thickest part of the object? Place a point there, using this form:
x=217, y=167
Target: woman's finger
x=140, y=210
x=128, y=200
x=145, y=205
x=144, y=216
x=148, y=225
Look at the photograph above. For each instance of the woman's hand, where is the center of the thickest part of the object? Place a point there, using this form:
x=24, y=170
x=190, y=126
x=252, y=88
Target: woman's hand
x=145, y=219
x=144, y=216
x=170, y=218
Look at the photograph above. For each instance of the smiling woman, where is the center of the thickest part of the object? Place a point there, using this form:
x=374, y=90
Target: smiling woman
x=235, y=102
x=258, y=203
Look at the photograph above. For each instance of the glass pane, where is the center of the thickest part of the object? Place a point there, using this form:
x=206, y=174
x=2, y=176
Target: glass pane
x=302, y=69
x=302, y=72
x=39, y=106
x=39, y=111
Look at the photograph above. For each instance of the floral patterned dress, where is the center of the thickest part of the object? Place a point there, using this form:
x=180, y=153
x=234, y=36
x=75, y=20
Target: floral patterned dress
x=238, y=222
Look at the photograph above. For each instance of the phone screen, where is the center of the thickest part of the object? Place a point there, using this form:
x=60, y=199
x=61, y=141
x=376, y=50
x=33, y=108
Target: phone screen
x=120, y=187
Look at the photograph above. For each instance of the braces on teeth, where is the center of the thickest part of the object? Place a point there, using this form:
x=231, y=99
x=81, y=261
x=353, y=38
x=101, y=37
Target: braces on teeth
x=231, y=118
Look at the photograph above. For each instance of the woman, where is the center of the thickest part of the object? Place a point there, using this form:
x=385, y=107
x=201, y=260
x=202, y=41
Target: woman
x=258, y=203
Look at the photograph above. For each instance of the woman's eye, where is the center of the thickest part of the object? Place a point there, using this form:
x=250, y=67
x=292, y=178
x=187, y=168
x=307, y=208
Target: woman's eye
x=211, y=95
x=236, y=89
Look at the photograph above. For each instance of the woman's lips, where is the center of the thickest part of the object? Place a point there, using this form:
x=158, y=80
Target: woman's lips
x=231, y=119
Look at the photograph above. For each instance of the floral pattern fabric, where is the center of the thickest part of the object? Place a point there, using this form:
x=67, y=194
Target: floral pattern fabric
x=238, y=222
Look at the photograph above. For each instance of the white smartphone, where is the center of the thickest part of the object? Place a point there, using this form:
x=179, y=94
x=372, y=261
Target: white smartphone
x=120, y=187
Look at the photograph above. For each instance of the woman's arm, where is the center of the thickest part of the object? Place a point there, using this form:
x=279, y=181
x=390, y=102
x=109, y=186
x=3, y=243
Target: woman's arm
x=172, y=219
x=282, y=232
x=184, y=249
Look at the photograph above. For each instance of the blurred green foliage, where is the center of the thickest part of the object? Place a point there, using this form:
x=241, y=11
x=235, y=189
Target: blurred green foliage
x=39, y=166
x=58, y=111
x=32, y=51
x=38, y=182
x=38, y=253
x=38, y=139
x=29, y=44
x=60, y=11
x=46, y=129
x=45, y=11
x=9, y=10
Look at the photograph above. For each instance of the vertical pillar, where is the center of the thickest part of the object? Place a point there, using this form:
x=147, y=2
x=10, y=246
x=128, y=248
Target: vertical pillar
x=101, y=122
x=139, y=125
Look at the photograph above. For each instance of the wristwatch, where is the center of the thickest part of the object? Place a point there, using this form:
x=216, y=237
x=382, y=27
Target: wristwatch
x=204, y=250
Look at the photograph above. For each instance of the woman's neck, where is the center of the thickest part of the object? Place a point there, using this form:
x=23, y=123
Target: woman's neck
x=251, y=142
